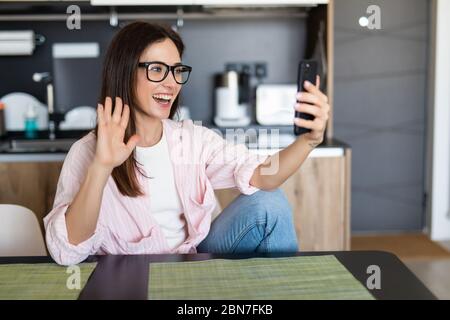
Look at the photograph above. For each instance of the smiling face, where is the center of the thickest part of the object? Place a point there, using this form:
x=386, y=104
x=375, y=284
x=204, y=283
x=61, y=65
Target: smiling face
x=152, y=96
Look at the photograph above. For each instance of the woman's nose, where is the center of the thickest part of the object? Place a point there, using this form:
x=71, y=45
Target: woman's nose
x=170, y=80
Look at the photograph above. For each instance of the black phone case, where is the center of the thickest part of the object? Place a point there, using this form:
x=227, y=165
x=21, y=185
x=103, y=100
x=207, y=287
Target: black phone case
x=307, y=70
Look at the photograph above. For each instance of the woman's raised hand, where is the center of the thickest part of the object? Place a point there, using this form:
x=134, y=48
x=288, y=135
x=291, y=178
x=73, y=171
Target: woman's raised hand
x=111, y=149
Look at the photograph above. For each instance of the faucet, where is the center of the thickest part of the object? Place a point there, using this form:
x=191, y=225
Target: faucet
x=46, y=78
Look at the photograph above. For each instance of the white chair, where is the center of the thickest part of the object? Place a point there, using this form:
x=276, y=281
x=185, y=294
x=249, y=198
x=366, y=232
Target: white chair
x=20, y=234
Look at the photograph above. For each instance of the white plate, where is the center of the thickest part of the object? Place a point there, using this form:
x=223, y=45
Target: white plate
x=79, y=118
x=16, y=105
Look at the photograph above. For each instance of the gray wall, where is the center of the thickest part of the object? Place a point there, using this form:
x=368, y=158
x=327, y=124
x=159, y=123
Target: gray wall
x=211, y=44
x=380, y=98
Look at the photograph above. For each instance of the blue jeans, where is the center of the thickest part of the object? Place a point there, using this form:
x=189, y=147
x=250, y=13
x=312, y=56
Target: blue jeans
x=261, y=222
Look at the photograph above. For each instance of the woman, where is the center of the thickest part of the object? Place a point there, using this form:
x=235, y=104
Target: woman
x=142, y=183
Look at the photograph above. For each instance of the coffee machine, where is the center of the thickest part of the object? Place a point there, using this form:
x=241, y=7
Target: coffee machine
x=232, y=98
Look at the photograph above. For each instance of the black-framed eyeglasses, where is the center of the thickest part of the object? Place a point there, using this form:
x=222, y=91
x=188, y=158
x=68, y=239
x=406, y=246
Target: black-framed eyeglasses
x=157, y=71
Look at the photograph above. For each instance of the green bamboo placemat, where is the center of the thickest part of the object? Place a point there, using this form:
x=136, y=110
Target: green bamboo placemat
x=42, y=281
x=307, y=277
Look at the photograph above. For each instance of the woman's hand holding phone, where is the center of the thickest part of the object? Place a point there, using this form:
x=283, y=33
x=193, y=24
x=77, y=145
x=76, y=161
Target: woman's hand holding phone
x=111, y=150
x=312, y=103
x=315, y=103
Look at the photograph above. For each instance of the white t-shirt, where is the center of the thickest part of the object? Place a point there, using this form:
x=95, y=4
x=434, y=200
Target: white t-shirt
x=165, y=205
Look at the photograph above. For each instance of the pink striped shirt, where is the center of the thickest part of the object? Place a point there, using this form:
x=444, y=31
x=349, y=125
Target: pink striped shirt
x=202, y=161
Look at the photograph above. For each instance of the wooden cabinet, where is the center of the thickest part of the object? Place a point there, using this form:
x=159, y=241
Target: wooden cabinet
x=319, y=194
x=30, y=184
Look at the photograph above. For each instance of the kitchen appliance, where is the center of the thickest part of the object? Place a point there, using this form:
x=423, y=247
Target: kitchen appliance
x=232, y=91
x=275, y=104
x=2, y=119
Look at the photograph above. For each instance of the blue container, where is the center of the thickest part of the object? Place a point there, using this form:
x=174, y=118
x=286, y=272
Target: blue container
x=31, y=127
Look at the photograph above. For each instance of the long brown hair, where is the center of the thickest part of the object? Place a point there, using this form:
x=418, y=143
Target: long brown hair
x=119, y=80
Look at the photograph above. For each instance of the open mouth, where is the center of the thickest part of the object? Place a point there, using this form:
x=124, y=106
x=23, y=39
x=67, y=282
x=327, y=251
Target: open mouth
x=162, y=99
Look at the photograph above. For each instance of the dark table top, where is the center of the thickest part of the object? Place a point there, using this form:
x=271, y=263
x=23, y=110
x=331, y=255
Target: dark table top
x=126, y=277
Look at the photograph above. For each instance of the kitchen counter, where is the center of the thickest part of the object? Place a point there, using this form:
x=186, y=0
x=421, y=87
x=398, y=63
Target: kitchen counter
x=56, y=152
x=259, y=139
x=14, y=147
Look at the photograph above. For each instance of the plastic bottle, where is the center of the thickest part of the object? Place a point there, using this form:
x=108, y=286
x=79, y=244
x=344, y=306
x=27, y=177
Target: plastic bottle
x=31, y=122
x=2, y=119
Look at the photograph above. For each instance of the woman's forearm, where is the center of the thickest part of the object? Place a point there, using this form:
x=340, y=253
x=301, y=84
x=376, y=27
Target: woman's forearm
x=267, y=177
x=82, y=214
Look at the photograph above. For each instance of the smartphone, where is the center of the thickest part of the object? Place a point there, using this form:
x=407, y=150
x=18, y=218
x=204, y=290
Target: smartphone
x=307, y=70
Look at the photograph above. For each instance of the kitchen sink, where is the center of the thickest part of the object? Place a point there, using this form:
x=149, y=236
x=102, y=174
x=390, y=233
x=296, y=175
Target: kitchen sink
x=41, y=145
x=15, y=141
